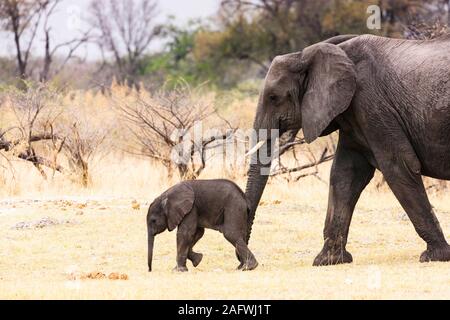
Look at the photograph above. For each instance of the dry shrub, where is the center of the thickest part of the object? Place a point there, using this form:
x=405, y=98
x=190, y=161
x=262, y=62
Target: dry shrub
x=426, y=31
x=28, y=132
x=170, y=127
x=45, y=128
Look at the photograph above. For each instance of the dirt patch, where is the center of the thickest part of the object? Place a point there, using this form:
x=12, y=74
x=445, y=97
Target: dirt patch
x=270, y=203
x=40, y=224
x=135, y=205
x=97, y=275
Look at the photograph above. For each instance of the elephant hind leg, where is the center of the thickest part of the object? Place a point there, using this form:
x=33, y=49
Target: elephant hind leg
x=245, y=256
x=407, y=185
x=241, y=263
x=234, y=229
x=436, y=254
x=350, y=174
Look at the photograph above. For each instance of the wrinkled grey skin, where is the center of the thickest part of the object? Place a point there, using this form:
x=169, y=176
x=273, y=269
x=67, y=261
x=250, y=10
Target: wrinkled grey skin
x=390, y=101
x=193, y=206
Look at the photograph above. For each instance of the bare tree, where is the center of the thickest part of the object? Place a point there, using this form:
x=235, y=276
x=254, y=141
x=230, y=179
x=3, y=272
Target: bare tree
x=26, y=20
x=22, y=18
x=71, y=46
x=125, y=29
x=297, y=169
x=36, y=117
x=166, y=130
x=43, y=131
x=448, y=13
x=425, y=31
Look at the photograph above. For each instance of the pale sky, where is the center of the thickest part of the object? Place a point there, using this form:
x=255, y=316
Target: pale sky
x=71, y=13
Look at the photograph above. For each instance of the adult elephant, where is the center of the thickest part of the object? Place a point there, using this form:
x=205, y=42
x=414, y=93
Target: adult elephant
x=390, y=101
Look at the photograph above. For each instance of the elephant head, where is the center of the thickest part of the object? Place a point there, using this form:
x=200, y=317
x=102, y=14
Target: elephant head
x=304, y=90
x=167, y=212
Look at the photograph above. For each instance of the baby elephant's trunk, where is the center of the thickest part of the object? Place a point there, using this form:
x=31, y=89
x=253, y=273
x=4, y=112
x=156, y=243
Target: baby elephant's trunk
x=151, y=241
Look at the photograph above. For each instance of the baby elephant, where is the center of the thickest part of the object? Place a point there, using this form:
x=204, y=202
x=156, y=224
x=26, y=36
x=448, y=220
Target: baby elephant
x=193, y=206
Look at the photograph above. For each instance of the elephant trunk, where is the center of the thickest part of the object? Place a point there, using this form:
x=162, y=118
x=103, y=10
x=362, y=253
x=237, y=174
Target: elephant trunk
x=151, y=241
x=256, y=182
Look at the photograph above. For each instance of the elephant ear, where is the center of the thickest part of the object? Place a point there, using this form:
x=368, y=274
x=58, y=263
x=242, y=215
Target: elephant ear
x=331, y=85
x=177, y=204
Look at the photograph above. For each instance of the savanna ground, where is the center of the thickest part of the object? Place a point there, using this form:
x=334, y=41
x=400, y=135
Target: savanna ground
x=81, y=157
x=57, y=233
x=103, y=230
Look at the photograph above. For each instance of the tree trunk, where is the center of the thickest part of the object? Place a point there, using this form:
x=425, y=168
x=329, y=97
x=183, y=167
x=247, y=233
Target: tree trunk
x=448, y=13
x=47, y=59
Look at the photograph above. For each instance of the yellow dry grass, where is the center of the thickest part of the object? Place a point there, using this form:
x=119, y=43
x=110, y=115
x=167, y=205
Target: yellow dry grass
x=106, y=234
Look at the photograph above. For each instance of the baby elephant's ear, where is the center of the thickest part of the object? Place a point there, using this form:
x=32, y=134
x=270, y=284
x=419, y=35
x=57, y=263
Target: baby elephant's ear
x=180, y=201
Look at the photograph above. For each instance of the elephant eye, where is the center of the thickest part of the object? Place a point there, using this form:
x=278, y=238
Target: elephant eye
x=273, y=98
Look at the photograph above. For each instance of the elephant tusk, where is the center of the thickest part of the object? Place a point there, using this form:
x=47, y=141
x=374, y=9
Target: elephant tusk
x=255, y=148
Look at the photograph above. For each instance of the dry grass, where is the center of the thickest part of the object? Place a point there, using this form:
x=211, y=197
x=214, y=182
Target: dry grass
x=106, y=235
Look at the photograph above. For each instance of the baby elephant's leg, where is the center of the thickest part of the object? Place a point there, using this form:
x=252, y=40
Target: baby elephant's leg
x=245, y=256
x=243, y=253
x=241, y=265
x=235, y=231
x=195, y=257
x=185, y=237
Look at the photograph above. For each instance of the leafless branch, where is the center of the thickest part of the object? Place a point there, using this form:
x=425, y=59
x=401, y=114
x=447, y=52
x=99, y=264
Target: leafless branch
x=163, y=127
x=125, y=29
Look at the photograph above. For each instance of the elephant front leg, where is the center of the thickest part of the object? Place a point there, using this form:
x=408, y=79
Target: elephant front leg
x=185, y=239
x=195, y=257
x=350, y=174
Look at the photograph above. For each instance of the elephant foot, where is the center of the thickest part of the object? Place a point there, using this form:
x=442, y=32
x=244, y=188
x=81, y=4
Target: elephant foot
x=436, y=254
x=332, y=257
x=180, y=269
x=195, y=258
x=239, y=268
x=249, y=266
